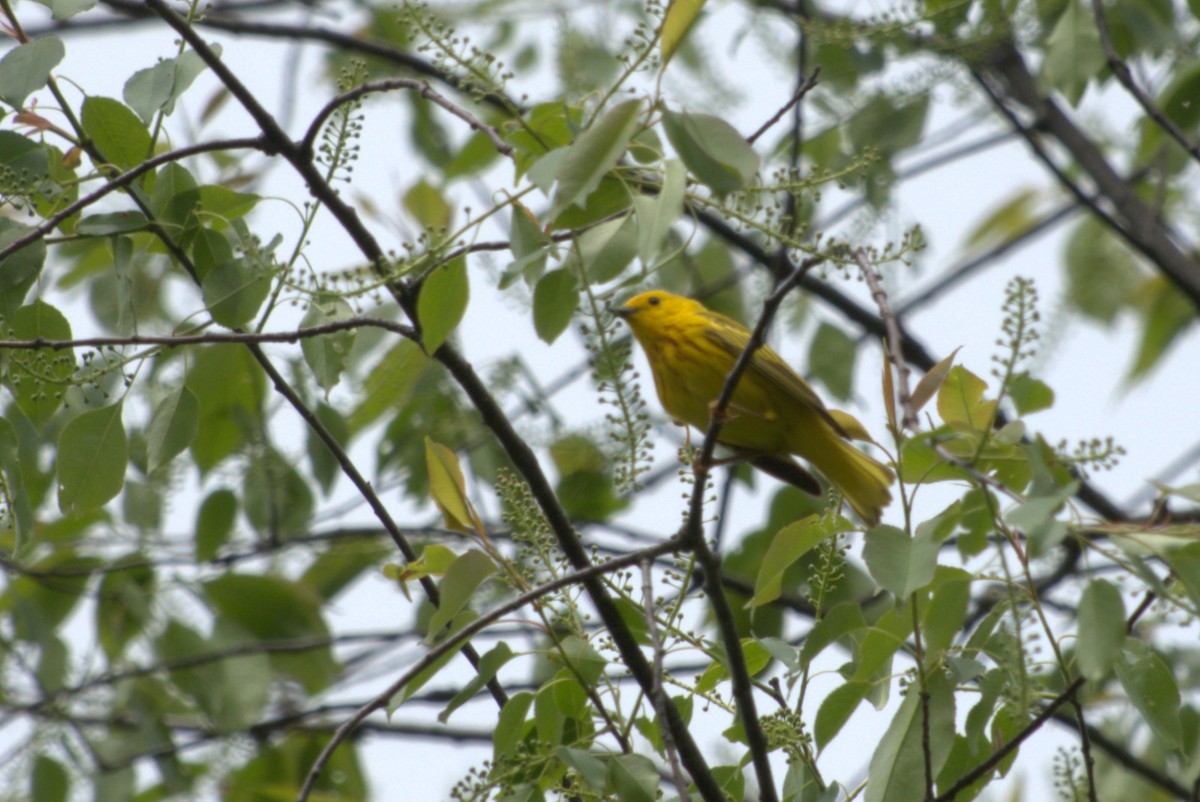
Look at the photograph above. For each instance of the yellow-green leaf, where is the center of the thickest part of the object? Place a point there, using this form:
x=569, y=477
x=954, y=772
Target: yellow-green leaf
x=449, y=489
x=960, y=401
x=680, y=17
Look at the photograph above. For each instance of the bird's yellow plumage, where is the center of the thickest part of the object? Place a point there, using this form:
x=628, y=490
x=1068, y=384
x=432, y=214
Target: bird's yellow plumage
x=773, y=414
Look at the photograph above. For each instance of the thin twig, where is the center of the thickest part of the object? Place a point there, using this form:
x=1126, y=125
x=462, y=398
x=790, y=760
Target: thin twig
x=803, y=90
x=1121, y=70
x=386, y=85
x=908, y=417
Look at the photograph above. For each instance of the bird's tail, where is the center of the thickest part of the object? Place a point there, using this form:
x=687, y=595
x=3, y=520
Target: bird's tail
x=861, y=479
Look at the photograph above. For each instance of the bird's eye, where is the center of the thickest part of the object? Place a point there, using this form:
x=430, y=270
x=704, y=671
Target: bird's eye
x=654, y=300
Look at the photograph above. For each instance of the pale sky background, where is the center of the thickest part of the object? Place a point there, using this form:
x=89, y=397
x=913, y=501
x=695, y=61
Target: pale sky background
x=1155, y=421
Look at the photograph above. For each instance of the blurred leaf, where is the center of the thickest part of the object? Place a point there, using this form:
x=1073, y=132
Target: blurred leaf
x=585, y=483
x=1007, y=221
x=427, y=205
x=389, y=384
x=18, y=270
x=831, y=359
x=26, y=68
x=594, y=153
x=234, y=291
x=173, y=426
x=680, y=16
x=116, y=131
x=590, y=768
x=50, y=781
x=326, y=354
x=1178, y=103
x=656, y=215
x=278, y=770
x=1073, y=52
x=103, y=225
x=1166, y=313
x=712, y=149
x=337, y=568
x=275, y=610
x=946, y=612
x=889, y=124
x=124, y=602
x=277, y=498
x=607, y=249
x=39, y=379
x=230, y=388
x=528, y=243
x=1101, y=629
x=1101, y=272
x=214, y=523
x=554, y=302
x=325, y=467
x=442, y=302
x=92, y=454
x=1029, y=394
x=511, y=727
x=1151, y=687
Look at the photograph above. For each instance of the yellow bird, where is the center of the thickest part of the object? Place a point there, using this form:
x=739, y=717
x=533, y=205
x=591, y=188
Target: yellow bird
x=773, y=414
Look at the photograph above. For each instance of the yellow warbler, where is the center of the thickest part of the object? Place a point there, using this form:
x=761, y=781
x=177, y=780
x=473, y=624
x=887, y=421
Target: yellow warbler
x=773, y=414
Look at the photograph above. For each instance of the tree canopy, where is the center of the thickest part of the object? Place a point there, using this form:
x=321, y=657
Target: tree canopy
x=322, y=452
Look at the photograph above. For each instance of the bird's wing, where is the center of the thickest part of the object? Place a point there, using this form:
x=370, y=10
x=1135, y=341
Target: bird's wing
x=732, y=337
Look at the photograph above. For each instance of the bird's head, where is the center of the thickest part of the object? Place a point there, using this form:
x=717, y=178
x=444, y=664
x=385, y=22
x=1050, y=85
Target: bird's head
x=649, y=309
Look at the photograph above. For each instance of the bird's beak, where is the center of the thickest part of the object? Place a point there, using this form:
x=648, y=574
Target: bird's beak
x=620, y=311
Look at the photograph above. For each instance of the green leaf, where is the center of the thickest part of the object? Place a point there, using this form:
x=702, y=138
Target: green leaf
x=836, y=709
x=1185, y=563
x=590, y=768
x=18, y=270
x=124, y=603
x=1166, y=313
x=656, y=215
x=175, y=198
x=554, y=302
x=634, y=778
x=932, y=381
x=511, y=725
x=230, y=387
x=593, y=154
x=1006, y=222
x=50, y=781
x=1101, y=630
x=26, y=68
x=712, y=149
x=270, y=609
x=116, y=131
x=1029, y=394
x=897, y=769
x=325, y=466
x=1074, y=54
x=680, y=16
x=900, y=564
x=449, y=488
x=442, y=303
x=156, y=89
x=489, y=664
x=1101, y=271
x=39, y=378
x=277, y=499
x=20, y=506
x=961, y=404
x=234, y=291
x=462, y=579
x=92, y=454
x=65, y=9
x=831, y=359
x=789, y=544
x=104, y=225
x=427, y=205
x=173, y=426
x=326, y=354
x=839, y=621
x=1151, y=687
x=528, y=243
x=607, y=249
x=233, y=691
x=222, y=205
x=214, y=523
x=947, y=609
